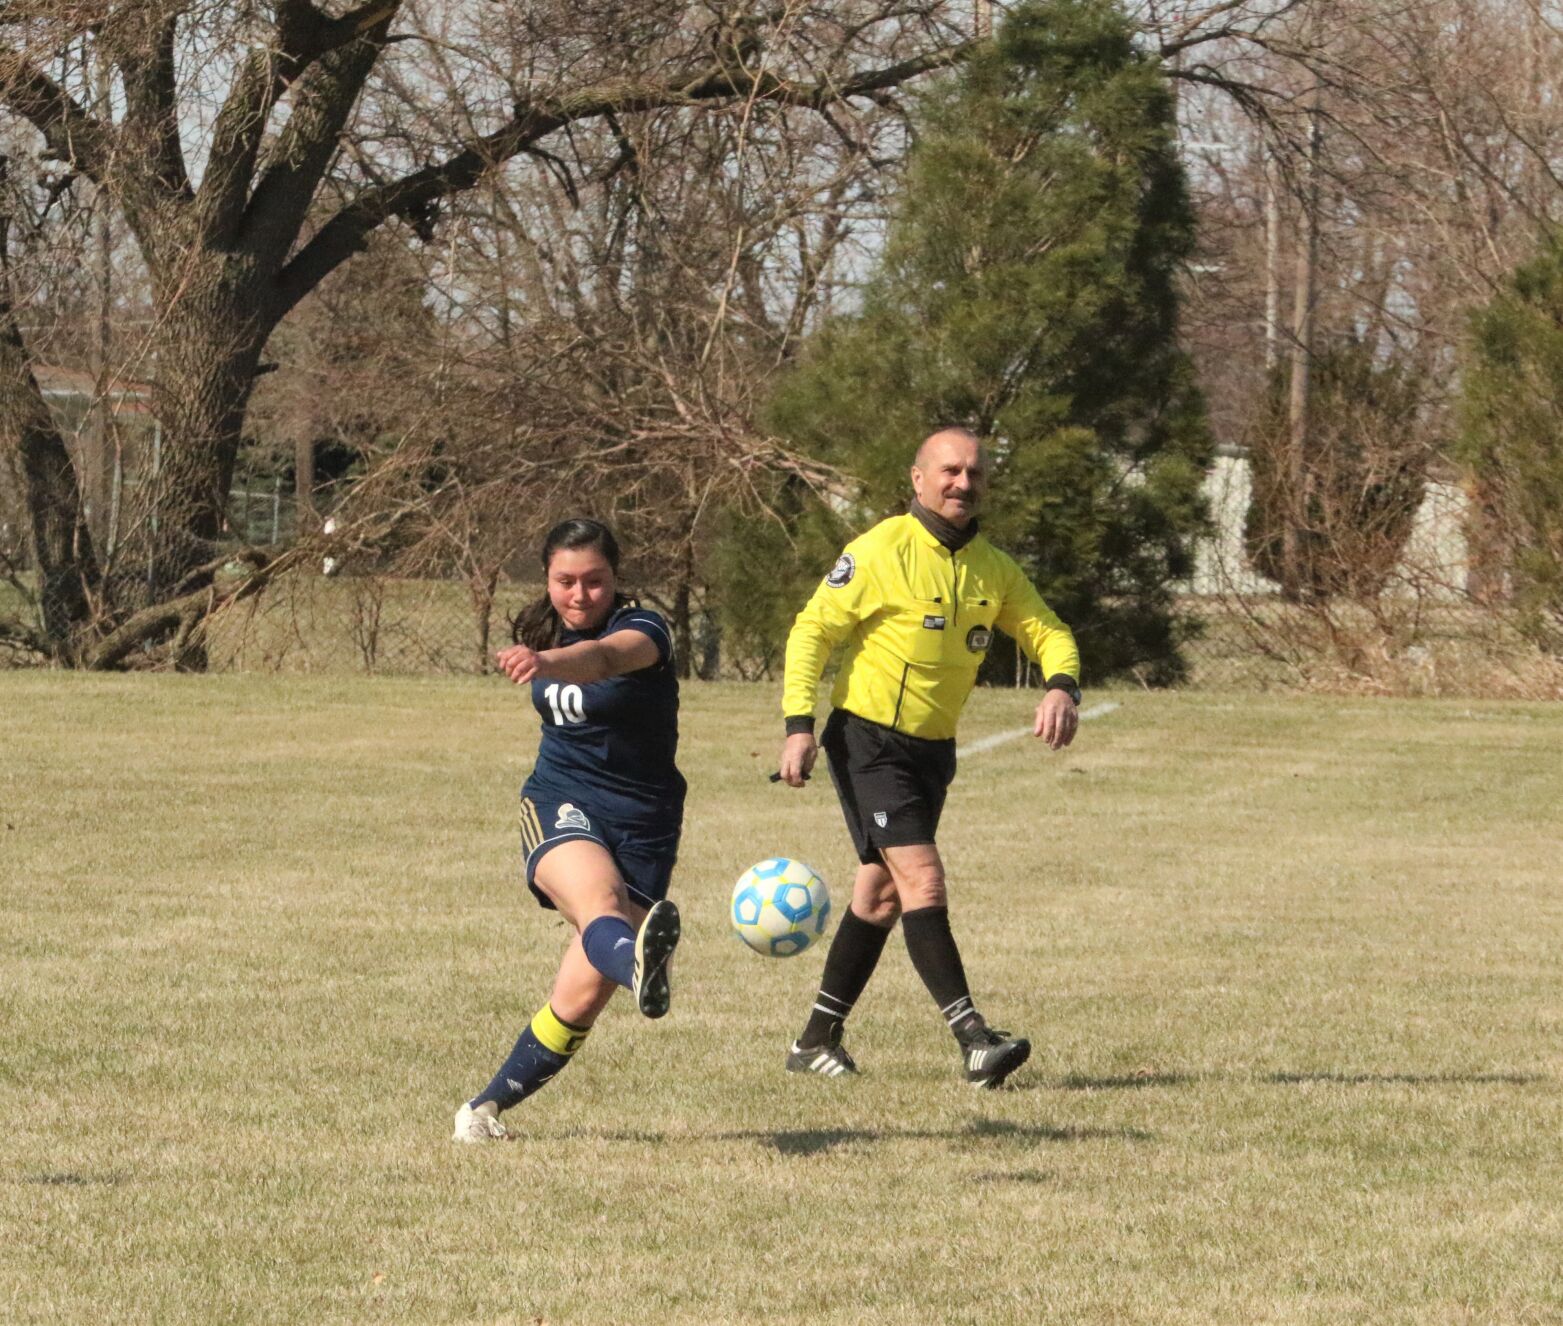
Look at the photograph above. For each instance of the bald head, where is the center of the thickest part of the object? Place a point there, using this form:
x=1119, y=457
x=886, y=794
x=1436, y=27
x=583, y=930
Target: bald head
x=950, y=474
x=920, y=460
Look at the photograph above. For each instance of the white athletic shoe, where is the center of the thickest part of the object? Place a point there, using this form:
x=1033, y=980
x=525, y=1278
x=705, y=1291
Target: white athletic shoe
x=478, y=1126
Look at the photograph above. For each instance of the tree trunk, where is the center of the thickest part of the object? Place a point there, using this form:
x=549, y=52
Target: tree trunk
x=59, y=543
x=683, y=633
x=206, y=363
x=304, y=480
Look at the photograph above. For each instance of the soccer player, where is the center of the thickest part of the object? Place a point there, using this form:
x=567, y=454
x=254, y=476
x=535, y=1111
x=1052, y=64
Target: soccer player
x=914, y=601
x=602, y=809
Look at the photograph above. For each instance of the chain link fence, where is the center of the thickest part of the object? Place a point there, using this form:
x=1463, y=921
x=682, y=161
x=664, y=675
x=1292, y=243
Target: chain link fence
x=1425, y=635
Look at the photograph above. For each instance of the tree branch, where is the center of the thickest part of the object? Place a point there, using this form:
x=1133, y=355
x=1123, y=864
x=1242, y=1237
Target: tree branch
x=145, y=56
x=305, y=38
x=73, y=134
x=415, y=196
x=326, y=96
x=186, y=614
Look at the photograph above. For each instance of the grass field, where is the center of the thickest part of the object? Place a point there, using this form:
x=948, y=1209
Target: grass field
x=1292, y=966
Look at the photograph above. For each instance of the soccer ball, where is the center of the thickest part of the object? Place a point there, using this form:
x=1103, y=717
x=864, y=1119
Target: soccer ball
x=780, y=907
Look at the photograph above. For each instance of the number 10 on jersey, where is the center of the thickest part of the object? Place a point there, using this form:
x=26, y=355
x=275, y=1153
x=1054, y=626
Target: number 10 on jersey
x=566, y=703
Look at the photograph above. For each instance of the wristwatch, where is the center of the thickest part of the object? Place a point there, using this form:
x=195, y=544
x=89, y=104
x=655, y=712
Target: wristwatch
x=1062, y=681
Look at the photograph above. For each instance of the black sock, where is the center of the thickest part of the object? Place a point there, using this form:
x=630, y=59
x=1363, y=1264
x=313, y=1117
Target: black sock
x=931, y=947
x=854, y=953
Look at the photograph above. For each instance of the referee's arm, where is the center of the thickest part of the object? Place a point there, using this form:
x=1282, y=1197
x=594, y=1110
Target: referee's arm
x=826, y=620
x=1039, y=631
x=837, y=606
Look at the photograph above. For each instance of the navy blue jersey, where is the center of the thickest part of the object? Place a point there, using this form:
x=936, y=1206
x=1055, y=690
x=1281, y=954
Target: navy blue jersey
x=613, y=741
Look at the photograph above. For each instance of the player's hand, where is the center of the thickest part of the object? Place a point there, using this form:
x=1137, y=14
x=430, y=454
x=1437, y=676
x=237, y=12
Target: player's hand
x=1057, y=720
x=798, y=754
x=518, y=663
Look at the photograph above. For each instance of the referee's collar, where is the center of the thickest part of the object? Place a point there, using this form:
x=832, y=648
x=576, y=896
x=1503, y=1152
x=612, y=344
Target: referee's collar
x=937, y=530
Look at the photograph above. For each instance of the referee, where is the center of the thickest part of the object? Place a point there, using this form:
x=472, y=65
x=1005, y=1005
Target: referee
x=914, y=602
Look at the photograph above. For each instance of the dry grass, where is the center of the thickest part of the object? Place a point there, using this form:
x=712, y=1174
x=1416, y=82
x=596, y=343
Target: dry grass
x=1292, y=966
x=1409, y=647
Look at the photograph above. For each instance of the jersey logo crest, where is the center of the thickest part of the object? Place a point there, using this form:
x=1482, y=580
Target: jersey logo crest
x=842, y=571
x=931, y=623
x=572, y=818
x=881, y=819
x=978, y=639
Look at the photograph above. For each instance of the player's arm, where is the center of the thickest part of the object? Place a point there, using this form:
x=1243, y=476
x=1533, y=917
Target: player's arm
x=847, y=596
x=583, y=662
x=1044, y=638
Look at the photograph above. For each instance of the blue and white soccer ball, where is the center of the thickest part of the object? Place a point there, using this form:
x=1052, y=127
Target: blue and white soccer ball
x=780, y=907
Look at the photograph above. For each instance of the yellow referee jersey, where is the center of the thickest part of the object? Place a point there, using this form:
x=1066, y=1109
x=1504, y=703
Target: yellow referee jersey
x=917, y=621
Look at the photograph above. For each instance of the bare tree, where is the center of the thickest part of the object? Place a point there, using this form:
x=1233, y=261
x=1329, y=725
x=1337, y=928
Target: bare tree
x=252, y=150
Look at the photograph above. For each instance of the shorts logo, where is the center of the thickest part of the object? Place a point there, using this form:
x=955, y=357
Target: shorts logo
x=881, y=819
x=571, y=818
x=841, y=573
x=933, y=623
x=978, y=639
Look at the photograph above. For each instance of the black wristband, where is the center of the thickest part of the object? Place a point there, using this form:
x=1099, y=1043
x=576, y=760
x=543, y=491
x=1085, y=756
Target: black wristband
x=797, y=723
x=1062, y=681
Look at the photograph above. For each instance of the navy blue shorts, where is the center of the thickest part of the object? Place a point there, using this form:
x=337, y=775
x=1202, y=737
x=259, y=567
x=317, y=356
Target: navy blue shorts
x=643, y=846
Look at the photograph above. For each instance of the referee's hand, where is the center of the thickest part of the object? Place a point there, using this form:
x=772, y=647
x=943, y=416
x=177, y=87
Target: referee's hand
x=1057, y=720
x=798, y=754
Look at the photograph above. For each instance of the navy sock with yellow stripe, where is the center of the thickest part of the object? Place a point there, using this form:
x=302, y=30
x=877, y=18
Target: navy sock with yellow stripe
x=542, y=1050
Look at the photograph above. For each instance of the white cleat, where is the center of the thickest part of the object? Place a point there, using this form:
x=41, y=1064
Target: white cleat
x=827, y=1060
x=478, y=1126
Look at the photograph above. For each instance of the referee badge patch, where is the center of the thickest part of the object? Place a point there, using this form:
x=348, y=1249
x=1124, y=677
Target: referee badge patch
x=881, y=819
x=978, y=639
x=841, y=573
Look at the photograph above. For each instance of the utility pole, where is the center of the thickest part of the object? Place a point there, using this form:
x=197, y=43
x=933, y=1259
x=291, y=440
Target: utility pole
x=106, y=434
x=1272, y=257
x=1299, y=469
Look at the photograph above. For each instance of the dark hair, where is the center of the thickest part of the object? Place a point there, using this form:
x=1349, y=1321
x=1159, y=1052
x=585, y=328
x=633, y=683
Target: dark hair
x=537, y=625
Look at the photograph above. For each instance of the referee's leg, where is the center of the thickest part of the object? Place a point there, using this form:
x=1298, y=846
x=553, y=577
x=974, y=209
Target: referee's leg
x=854, y=953
x=918, y=873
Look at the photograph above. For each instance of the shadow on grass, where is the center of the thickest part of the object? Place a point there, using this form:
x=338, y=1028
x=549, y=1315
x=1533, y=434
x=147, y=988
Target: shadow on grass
x=815, y=1141
x=1125, y=1081
x=61, y=1179
x=1013, y=1176
x=1408, y=1079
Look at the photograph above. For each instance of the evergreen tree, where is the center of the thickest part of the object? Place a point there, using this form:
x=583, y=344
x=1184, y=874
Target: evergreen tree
x=1512, y=416
x=765, y=566
x=1028, y=291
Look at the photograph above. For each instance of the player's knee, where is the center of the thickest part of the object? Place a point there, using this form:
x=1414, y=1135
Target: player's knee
x=874, y=896
x=923, y=887
x=882, y=910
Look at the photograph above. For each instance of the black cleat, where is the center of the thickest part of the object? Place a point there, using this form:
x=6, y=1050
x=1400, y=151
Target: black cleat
x=654, y=945
x=991, y=1056
x=826, y=1060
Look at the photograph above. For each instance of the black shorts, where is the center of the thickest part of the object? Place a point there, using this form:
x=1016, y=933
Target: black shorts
x=891, y=786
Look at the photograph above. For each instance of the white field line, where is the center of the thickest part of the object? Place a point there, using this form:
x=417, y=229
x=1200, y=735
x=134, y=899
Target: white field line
x=999, y=738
